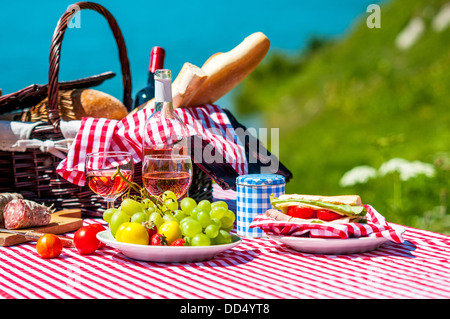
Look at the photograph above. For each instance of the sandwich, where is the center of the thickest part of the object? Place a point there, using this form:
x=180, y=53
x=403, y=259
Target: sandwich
x=318, y=209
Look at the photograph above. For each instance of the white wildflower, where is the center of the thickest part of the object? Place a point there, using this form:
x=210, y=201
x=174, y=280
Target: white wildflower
x=418, y=168
x=406, y=169
x=393, y=165
x=358, y=175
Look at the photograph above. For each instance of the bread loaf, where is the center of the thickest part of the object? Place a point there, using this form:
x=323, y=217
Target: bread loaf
x=218, y=75
x=93, y=103
x=186, y=84
x=78, y=103
x=226, y=70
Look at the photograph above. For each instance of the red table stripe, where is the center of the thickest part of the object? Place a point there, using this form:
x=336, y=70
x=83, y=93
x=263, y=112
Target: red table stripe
x=256, y=269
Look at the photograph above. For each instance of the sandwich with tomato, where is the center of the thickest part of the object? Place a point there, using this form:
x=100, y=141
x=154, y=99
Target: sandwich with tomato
x=318, y=209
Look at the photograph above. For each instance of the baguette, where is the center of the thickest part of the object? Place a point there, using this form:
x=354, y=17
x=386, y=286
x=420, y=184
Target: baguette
x=188, y=81
x=226, y=70
x=218, y=75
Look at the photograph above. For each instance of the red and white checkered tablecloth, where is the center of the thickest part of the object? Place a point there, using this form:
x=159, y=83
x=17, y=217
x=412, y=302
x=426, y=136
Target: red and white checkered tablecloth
x=209, y=122
x=257, y=268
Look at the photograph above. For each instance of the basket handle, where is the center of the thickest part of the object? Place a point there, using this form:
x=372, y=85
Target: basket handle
x=55, y=54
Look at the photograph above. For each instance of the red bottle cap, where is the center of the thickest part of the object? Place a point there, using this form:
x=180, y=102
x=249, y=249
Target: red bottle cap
x=156, y=59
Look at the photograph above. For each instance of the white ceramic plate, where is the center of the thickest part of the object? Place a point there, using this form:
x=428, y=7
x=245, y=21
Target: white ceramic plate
x=333, y=246
x=171, y=254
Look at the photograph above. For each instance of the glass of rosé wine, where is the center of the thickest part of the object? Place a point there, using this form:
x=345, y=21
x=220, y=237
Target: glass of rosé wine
x=167, y=172
x=104, y=172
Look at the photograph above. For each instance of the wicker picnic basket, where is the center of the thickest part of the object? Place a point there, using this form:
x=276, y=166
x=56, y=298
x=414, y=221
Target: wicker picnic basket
x=33, y=172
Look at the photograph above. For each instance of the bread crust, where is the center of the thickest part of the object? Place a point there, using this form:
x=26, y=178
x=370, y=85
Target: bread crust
x=188, y=81
x=220, y=73
x=226, y=70
x=93, y=103
x=354, y=200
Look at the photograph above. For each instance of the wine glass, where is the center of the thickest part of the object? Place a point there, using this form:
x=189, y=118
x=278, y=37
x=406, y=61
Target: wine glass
x=102, y=174
x=167, y=172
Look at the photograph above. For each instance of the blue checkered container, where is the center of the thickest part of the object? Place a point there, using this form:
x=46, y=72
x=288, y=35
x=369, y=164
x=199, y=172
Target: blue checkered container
x=253, y=199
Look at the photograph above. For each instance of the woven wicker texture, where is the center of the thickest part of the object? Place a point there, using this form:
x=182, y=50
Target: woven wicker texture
x=33, y=173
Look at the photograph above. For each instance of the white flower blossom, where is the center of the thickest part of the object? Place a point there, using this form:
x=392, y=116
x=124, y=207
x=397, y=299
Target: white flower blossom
x=358, y=175
x=393, y=165
x=406, y=169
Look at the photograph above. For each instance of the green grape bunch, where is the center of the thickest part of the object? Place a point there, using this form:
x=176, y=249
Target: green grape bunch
x=199, y=224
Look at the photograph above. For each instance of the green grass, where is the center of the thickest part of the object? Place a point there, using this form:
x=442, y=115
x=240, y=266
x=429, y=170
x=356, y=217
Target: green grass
x=360, y=100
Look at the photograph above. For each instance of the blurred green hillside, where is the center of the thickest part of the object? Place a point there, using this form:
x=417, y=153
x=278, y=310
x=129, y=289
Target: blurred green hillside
x=361, y=100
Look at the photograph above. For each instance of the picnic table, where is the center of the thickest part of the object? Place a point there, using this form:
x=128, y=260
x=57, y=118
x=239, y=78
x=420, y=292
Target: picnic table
x=257, y=268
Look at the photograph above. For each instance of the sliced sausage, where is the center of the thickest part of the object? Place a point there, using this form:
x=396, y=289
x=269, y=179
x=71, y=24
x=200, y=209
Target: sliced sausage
x=23, y=213
x=5, y=198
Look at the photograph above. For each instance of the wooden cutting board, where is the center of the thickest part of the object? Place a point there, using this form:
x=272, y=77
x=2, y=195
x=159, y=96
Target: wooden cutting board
x=62, y=221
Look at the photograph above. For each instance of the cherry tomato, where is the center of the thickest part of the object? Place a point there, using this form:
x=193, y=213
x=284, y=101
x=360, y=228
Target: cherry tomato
x=85, y=240
x=132, y=233
x=178, y=242
x=151, y=228
x=158, y=240
x=327, y=216
x=99, y=228
x=49, y=246
x=301, y=212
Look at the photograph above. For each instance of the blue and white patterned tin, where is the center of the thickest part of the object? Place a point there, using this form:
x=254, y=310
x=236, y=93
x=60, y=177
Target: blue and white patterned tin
x=253, y=198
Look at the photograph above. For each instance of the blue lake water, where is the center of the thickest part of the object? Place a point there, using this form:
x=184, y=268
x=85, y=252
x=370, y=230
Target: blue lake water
x=190, y=31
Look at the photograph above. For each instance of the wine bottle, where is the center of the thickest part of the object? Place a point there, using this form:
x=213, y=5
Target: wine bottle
x=164, y=132
x=157, y=56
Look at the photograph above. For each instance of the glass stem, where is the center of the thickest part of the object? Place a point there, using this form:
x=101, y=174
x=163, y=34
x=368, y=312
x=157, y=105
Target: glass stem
x=109, y=203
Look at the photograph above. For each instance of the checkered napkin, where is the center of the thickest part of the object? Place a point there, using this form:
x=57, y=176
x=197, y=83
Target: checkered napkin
x=209, y=122
x=376, y=226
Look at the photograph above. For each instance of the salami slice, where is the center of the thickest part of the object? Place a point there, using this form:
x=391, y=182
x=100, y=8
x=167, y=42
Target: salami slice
x=5, y=198
x=23, y=213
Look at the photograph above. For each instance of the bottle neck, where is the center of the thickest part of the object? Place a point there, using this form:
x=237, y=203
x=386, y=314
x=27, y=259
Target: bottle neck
x=157, y=56
x=163, y=90
x=151, y=78
x=163, y=96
